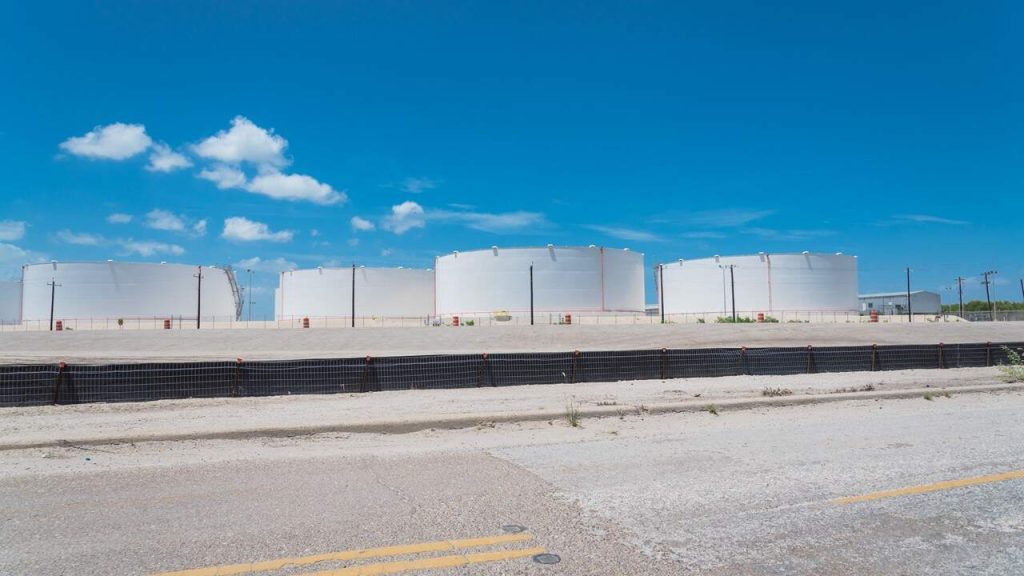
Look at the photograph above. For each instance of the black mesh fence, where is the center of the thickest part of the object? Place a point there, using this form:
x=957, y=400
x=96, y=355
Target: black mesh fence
x=29, y=385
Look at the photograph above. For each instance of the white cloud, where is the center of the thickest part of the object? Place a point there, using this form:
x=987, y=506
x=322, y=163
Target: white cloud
x=257, y=264
x=12, y=230
x=199, y=228
x=771, y=234
x=728, y=218
x=387, y=252
x=362, y=224
x=314, y=232
x=703, y=235
x=163, y=220
x=927, y=219
x=626, y=233
x=244, y=142
x=111, y=142
x=270, y=266
x=417, y=185
x=12, y=253
x=79, y=239
x=146, y=248
x=163, y=159
x=489, y=222
x=119, y=218
x=244, y=230
x=294, y=187
x=405, y=217
x=224, y=176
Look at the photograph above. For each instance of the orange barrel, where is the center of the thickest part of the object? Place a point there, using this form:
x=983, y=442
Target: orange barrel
x=760, y=316
x=568, y=318
x=167, y=324
x=455, y=320
x=60, y=325
x=305, y=322
x=874, y=315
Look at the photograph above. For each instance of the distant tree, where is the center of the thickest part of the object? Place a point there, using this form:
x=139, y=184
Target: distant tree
x=982, y=306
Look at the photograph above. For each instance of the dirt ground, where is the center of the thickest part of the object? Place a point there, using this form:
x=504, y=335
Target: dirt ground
x=185, y=345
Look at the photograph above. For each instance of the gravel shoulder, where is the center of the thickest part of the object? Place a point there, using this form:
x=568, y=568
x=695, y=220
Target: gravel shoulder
x=276, y=344
x=407, y=411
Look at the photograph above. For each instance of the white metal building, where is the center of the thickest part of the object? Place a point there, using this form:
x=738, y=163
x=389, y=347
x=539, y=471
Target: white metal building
x=763, y=283
x=94, y=290
x=565, y=280
x=380, y=292
x=10, y=302
x=888, y=303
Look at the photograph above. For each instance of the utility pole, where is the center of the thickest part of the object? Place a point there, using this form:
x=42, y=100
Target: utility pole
x=353, y=294
x=250, y=294
x=960, y=288
x=661, y=291
x=732, y=286
x=1022, y=289
x=53, y=296
x=199, y=296
x=531, y=293
x=910, y=309
x=988, y=294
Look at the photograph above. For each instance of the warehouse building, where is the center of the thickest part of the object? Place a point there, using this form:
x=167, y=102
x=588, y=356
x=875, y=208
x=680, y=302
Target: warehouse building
x=895, y=303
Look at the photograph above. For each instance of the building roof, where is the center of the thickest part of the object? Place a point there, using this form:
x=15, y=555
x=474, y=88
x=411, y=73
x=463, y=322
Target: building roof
x=895, y=294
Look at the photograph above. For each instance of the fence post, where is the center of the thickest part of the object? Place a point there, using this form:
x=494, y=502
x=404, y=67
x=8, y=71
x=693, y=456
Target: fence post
x=58, y=381
x=810, y=359
x=988, y=354
x=874, y=357
x=575, y=359
x=364, y=385
x=664, y=357
x=238, y=375
x=942, y=356
x=743, y=360
x=483, y=368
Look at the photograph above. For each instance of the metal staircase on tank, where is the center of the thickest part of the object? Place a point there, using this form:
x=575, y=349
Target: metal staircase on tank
x=236, y=291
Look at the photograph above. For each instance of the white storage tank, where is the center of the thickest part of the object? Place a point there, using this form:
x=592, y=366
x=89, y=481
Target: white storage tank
x=766, y=283
x=380, y=292
x=565, y=280
x=10, y=302
x=105, y=290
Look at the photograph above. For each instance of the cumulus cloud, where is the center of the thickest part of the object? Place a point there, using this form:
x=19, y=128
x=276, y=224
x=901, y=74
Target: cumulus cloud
x=199, y=228
x=111, y=142
x=164, y=159
x=362, y=224
x=146, y=248
x=417, y=185
x=119, y=218
x=12, y=230
x=273, y=265
x=9, y=253
x=626, y=233
x=405, y=217
x=295, y=187
x=244, y=142
x=163, y=220
x=79, y=239
x=224, y=176
x=242, y=229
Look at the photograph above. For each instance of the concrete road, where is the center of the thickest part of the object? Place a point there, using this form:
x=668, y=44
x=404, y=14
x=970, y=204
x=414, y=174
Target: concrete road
x=751, y=492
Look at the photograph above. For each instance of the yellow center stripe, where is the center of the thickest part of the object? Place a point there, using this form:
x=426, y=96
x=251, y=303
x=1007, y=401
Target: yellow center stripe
x=935, y=487
x=268, y=565
x=428, y=563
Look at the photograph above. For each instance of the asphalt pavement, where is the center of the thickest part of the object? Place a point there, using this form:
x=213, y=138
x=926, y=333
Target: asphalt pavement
x=916, y=486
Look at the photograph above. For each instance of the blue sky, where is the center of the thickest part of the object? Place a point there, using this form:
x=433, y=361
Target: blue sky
x=308, y=133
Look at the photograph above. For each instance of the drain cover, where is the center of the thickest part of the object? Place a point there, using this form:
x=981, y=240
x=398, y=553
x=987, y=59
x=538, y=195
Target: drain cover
x=513, y=528
x=547, y=559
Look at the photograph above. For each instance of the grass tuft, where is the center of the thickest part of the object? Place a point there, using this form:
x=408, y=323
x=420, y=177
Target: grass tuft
x=712, y=409
x=776, y=392
x=1013, y=370
x=572, y=414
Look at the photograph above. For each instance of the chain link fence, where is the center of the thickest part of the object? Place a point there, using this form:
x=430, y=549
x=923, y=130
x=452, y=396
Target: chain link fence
x=30, y=385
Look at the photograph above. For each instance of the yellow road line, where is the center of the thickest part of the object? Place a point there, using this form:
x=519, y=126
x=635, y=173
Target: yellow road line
x=935, y=487
x=428, y=563
x=278, y=564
